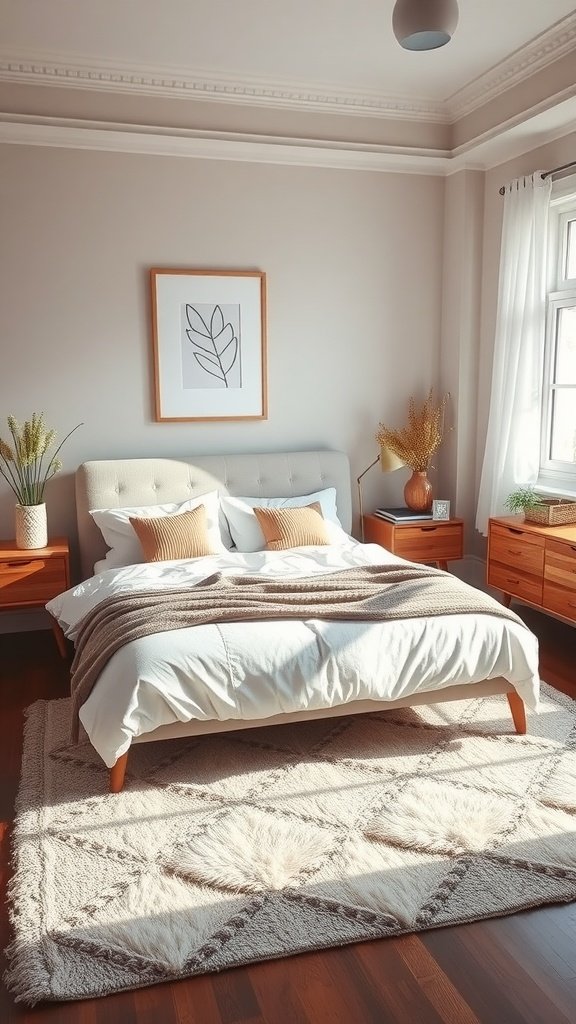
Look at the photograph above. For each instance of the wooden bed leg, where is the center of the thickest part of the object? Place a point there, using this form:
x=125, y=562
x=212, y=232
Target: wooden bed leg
x=117, y=774
x=60, y=640
x=518, y=712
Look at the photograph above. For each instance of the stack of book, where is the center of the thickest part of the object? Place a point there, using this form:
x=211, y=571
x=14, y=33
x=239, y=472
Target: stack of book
x=401, y=515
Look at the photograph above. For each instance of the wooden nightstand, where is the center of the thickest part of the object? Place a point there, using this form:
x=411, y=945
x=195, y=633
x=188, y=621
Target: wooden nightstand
x=435, y=540
x=29, y=578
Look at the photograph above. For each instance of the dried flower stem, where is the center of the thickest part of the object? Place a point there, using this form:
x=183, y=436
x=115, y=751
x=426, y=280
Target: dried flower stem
x=22, y=465
x=416, y=443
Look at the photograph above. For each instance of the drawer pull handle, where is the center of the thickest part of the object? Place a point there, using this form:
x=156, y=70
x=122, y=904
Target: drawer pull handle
x=17, y=564
x=428, y=528
x=509, y=580
x=513, y=529
x=514, y=551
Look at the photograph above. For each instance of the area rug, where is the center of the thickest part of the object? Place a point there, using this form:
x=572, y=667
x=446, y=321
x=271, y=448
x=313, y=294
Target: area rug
x=259, y=844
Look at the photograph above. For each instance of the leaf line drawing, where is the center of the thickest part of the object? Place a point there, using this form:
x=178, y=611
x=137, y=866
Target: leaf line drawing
x=216, y=340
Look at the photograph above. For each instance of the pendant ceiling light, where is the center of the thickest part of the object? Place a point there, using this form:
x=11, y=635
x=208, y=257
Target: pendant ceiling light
x=424, y=24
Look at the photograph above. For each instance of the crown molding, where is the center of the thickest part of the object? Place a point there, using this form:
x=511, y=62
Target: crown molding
x=496, y=146
x=64, y=133
x=538, y=127
x=520, y=134
x=547, y=48
x=80, y=72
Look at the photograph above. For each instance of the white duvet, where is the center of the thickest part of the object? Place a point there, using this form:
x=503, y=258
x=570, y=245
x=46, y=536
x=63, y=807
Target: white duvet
x=254, y=670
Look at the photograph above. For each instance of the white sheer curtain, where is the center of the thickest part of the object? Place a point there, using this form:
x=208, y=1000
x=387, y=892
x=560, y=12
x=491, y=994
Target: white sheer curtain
x=512, y=452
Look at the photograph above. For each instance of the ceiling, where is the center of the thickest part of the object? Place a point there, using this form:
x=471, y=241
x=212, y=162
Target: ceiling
x=315, y=82
x=343, y=45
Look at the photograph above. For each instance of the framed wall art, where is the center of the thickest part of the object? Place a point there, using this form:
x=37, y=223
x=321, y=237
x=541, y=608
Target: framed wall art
x=209, y=344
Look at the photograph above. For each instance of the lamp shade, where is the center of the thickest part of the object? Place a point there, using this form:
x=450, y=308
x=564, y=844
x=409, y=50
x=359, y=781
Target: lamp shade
x=389, y=461
x=424, y=24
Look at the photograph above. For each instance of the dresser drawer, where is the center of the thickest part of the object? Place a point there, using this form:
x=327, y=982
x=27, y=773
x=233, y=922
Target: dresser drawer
x=31, y=580
x=429, y=543
x=560, y=600
x=516, y=552
x=515, y=533
x=560, y=564
x=514, y=582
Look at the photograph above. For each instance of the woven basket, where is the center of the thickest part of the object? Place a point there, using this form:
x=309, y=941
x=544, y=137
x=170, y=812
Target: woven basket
x=552, y=512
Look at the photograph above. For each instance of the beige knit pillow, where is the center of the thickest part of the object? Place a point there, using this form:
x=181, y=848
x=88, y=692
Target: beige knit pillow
x=292, y=527
x=184, y=535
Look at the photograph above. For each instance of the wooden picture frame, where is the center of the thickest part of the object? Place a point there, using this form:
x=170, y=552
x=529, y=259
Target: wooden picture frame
x=209, y=344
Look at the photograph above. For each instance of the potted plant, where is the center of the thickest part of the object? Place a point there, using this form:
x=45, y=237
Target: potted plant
x=26, y=465
x=522, y=500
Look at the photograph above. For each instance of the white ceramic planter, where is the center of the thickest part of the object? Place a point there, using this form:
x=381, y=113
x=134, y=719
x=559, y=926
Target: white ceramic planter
x=31, y=526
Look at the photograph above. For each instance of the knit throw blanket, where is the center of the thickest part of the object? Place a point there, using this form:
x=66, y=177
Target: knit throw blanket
x=367, y=593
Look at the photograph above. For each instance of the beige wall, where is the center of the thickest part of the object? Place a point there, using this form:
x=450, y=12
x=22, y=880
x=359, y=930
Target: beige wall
x=354, y=269
x=462, y=263
x=378, y=286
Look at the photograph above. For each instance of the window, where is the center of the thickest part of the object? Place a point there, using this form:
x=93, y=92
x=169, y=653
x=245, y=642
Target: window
x=558, y=433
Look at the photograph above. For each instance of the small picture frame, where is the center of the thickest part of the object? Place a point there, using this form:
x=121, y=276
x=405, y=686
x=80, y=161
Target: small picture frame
x=440, y=509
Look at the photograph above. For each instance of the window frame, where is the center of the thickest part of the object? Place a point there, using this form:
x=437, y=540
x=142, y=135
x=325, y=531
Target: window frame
x=556, y=476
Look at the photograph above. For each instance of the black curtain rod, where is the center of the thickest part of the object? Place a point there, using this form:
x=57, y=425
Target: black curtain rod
x=555, y=170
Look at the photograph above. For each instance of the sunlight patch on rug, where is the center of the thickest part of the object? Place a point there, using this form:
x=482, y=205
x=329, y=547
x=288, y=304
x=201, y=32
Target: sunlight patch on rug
x=251, y=851
x=429, y=817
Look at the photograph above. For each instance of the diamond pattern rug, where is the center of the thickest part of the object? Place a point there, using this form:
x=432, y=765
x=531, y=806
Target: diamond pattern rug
x=259, y=844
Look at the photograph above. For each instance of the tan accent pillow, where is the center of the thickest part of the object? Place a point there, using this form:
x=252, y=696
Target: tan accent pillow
x=184, y=535
x=292, y=527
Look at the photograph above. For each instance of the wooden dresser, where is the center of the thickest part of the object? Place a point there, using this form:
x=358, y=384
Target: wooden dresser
x=536, y=564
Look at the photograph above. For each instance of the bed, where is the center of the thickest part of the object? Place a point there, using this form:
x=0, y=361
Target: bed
x=234, y=675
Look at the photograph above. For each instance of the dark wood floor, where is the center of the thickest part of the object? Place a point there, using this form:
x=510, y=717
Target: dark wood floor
x=512, y=970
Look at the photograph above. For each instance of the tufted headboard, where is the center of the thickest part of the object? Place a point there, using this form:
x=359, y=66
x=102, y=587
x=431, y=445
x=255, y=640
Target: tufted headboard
x=115, y=483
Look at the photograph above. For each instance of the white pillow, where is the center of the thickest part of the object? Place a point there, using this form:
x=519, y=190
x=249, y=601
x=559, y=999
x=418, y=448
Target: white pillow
x=244, y=527
x=125, y=548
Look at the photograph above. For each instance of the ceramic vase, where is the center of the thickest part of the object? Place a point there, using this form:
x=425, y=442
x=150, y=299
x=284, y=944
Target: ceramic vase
x=31, y=526
x=418, y=491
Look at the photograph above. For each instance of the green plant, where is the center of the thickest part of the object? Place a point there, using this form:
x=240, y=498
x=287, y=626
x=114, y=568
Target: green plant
x=522, y=500
x=26, y=466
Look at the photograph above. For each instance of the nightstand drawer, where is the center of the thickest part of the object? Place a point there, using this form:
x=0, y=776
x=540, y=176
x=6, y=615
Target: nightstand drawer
x=31, y=580
x=429, y=543
x=515, y=582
